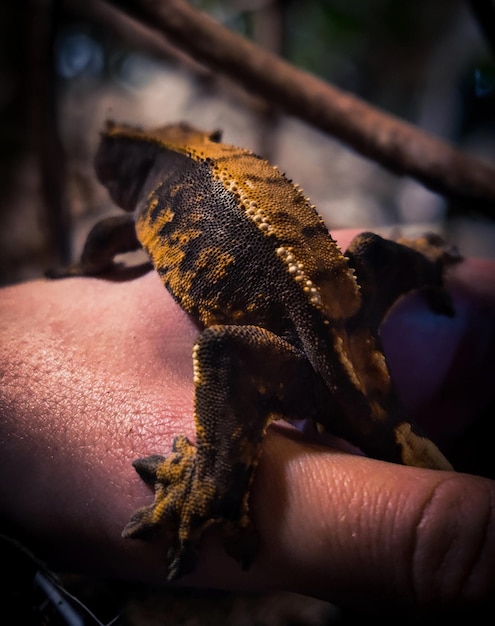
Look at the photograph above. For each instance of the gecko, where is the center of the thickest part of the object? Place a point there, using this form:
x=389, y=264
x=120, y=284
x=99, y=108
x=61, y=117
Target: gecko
x=289, y=324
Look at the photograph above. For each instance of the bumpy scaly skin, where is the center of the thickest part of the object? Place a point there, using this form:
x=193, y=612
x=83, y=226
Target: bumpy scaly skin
x=290, y=323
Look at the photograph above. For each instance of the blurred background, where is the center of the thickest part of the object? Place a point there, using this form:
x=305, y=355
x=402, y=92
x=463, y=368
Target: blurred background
x=68, y=65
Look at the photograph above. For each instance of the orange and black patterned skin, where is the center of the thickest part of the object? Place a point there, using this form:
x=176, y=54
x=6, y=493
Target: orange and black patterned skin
x=290, y=322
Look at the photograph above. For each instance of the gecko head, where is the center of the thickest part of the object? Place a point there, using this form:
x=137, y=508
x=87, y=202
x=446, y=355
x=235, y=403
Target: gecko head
x=122, y=166
x=127, y=153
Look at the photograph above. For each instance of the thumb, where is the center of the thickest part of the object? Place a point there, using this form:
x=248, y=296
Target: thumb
x=349, y=530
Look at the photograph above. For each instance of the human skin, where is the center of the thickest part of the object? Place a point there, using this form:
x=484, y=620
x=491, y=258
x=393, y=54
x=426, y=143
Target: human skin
x=97, y=373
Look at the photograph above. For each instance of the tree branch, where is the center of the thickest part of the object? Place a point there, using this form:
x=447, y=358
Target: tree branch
x=393, y=143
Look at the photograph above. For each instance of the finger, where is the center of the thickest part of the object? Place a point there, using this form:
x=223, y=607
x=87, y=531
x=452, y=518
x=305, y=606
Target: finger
x=344, y=527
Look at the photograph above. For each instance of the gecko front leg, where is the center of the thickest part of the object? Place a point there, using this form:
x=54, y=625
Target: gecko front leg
x=108, y=238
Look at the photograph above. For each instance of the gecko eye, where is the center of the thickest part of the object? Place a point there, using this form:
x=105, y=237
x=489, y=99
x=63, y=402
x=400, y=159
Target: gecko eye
x=216, y=136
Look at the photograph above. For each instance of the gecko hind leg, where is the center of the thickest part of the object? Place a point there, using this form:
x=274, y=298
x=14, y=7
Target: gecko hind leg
x=399, y=267
x=200, y=485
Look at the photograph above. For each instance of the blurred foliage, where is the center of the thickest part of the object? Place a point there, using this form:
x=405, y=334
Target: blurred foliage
x=370, y=48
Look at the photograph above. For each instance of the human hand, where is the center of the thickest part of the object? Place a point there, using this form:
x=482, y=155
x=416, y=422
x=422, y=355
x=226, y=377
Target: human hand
x=96, y=374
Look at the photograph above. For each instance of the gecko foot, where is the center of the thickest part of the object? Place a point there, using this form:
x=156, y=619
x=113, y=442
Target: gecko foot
x=55, y=273
x=183, y=508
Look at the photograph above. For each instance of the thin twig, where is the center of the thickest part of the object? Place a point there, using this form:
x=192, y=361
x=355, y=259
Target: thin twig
x=397, y=145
